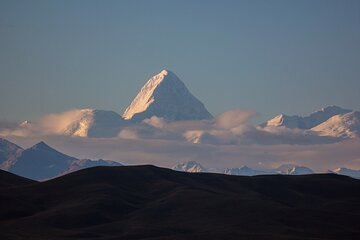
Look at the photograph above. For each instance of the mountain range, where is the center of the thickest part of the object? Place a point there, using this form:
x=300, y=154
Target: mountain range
x=164, y=96
x=245, y=171
x=42, y=162
x=330, y=121
x=285, y=169
x=307, y=122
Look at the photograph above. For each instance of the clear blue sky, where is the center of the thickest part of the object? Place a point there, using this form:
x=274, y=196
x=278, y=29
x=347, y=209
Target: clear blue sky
x=270, y=56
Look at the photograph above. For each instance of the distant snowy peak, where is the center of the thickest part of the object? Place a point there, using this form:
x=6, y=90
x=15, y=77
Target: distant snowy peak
x=190, y=166
x=345, y=125
x=244, y=171
x=290, y=169
x=165, y=95
x=307, y=122
x=286, y=169
x=299, y=170
x=94, y=123
x=25, y=123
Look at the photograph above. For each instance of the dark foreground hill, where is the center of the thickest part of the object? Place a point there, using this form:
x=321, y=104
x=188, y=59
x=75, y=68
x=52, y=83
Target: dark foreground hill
x=147, y=202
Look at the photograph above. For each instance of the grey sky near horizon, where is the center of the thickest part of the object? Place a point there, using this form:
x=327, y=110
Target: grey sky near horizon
x=272, y=57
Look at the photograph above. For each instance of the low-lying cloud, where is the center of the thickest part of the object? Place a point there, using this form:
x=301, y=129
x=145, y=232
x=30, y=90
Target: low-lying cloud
x=51, y=124
x=229, y=140
x=229, y=128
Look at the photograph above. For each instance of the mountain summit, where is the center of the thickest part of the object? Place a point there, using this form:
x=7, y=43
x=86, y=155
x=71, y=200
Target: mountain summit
x=165, y=95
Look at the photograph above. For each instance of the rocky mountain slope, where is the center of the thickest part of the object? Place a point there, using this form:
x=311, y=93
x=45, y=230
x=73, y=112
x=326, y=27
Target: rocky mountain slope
x=41, y=162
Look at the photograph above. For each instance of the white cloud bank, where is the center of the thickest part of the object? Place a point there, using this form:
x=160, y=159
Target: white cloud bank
x=228, y=128
x=229, y=140
x=51, y=124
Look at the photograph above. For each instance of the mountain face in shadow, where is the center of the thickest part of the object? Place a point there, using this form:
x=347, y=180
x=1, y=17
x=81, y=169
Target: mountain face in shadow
x=41, y=162
x=147, y=202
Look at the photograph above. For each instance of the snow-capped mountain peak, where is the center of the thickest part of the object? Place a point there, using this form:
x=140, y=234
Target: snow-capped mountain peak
x=300, y=170
x=283, y=120
x=190, y=166
x=146, y=95
x=291, y=169
x=24, y=123
x=165, y=95
x=244, y=171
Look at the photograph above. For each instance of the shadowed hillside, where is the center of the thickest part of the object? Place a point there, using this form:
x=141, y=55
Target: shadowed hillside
x=147, y=202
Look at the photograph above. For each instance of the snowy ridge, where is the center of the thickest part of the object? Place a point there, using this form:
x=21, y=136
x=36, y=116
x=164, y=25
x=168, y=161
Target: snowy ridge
x=285, y=169
x=190, y=166
x=291, y=169
x=244, y=171
x=343, y=125
x=165, y=95
x=307, y=122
